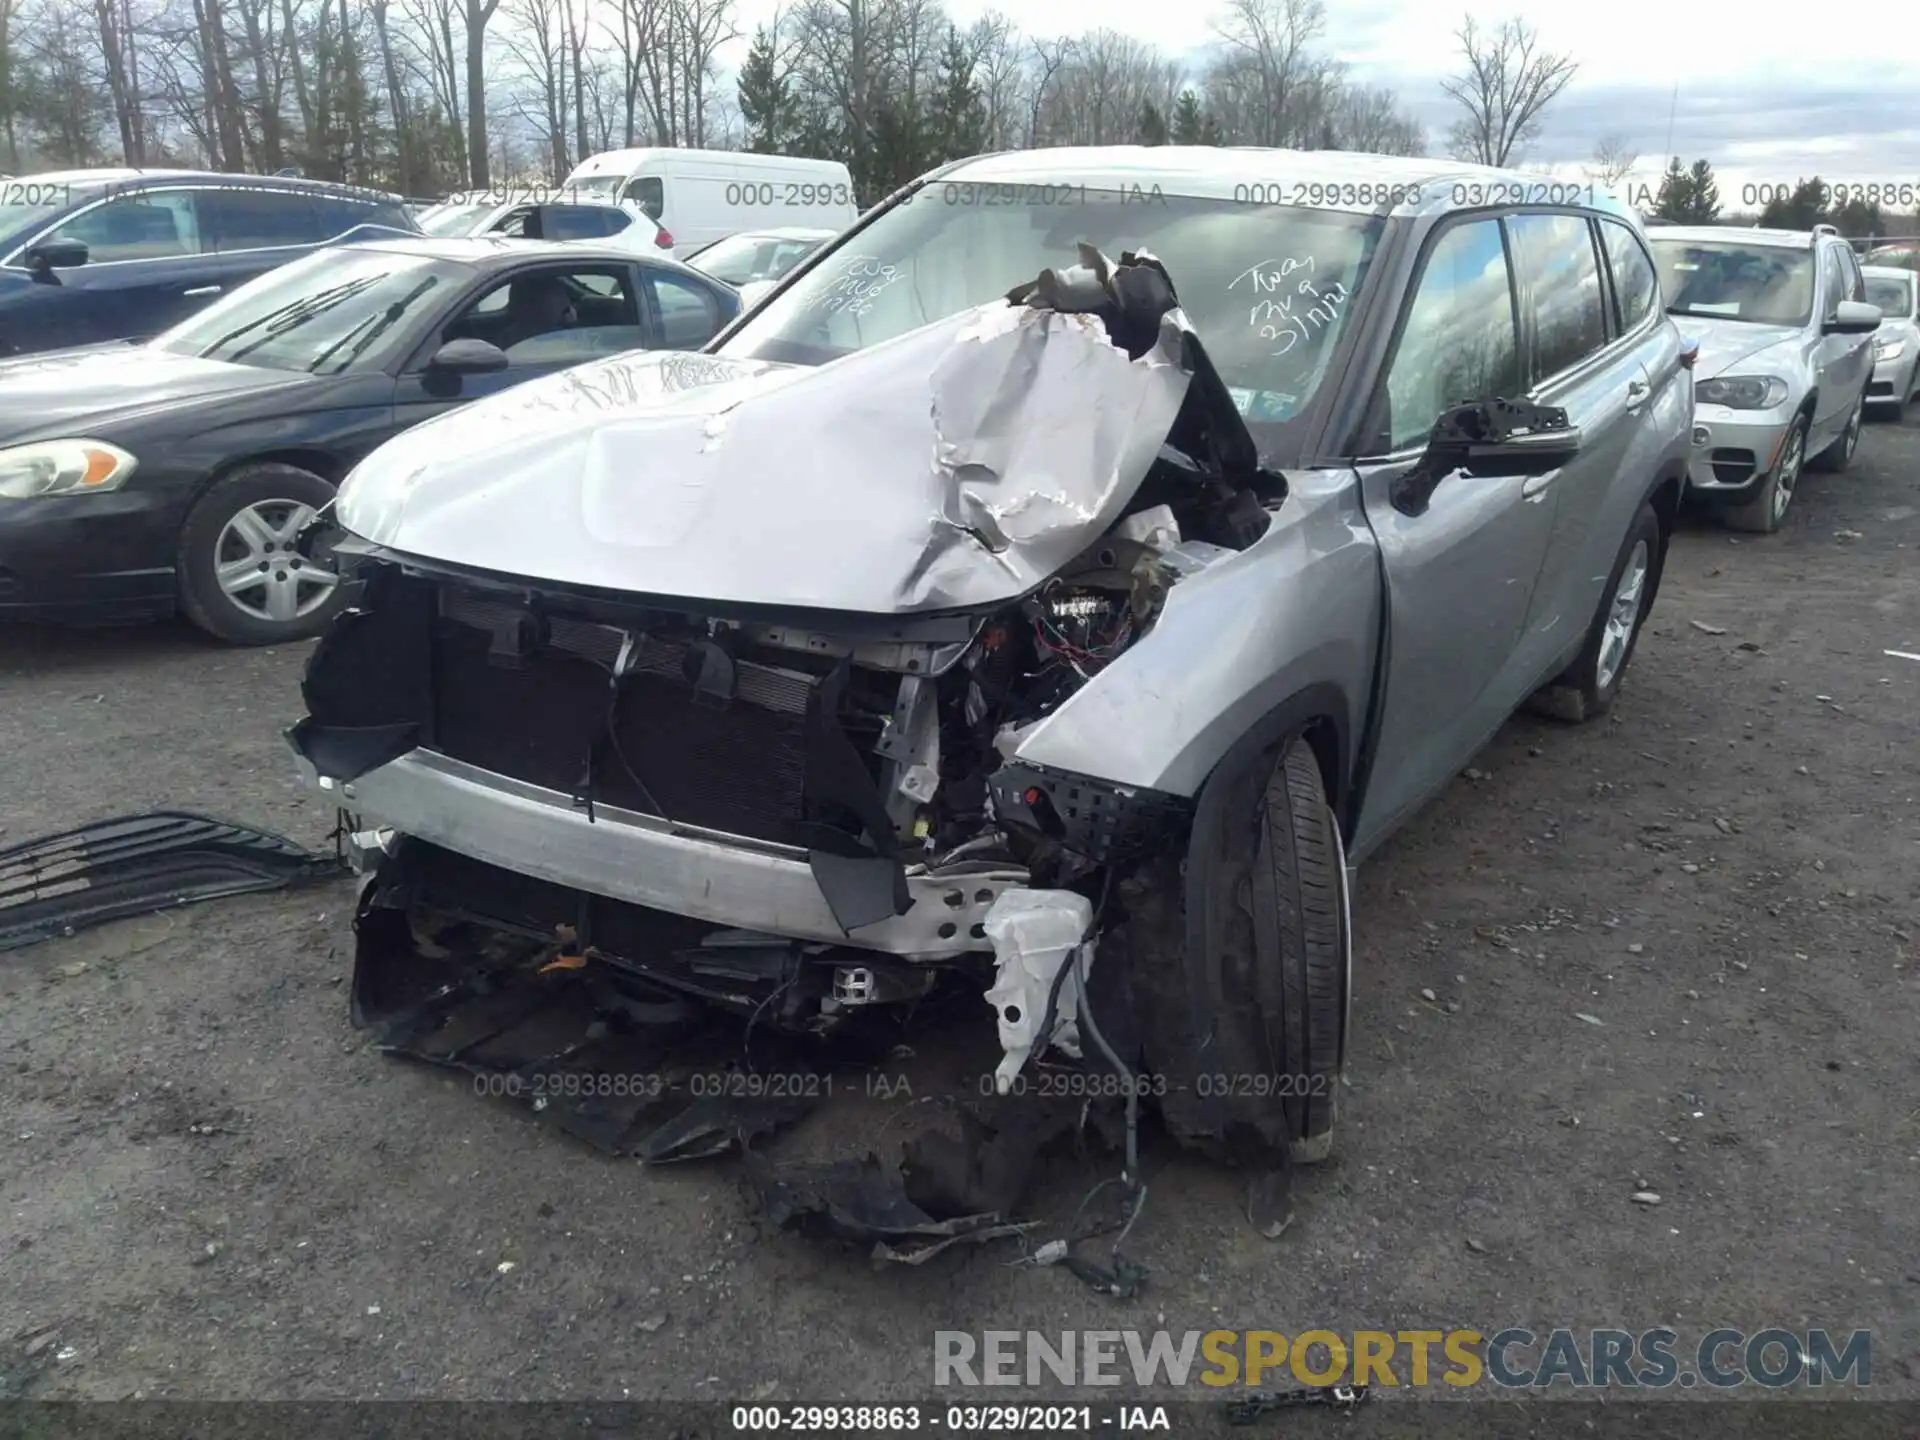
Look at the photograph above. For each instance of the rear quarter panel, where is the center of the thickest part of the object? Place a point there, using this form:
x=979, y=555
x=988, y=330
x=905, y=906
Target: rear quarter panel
x=1300, y=607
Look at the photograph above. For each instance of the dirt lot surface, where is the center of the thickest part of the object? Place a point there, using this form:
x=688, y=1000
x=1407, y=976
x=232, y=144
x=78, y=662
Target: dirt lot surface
x=1673, y=951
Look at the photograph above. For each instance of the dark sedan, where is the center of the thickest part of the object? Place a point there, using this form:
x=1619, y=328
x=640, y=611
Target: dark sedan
x=188, y=471
x=91, y=255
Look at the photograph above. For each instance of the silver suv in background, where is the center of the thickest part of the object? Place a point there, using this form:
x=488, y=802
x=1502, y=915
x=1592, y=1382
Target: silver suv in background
x=1785, y=356
x=941, y=624
x=1896, y=344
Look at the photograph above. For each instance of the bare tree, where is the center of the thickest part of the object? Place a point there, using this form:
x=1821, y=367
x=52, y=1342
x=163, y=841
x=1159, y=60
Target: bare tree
x=1612, y=161
x=1508, y=84
x=1270, y=70
x=478, y=14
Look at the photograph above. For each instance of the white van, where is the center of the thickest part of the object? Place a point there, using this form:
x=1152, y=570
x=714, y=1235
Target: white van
x=700, y=196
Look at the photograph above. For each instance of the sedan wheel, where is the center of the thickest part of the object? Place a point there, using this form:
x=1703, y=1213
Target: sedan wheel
x=259, y=568
x=246, y=574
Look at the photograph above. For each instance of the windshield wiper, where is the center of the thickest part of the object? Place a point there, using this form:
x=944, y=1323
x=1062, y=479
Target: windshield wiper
x=383, y=321
x=281, y=321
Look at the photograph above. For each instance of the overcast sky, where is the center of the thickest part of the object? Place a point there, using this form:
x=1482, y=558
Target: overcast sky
x=1764, y=98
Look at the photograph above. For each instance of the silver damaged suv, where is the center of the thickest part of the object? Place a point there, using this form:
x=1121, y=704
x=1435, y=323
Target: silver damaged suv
x=1786, y=352
x=1049, y=589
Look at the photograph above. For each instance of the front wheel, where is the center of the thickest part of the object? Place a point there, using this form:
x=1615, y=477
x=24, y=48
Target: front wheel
x=1767, y=510
x=244, y=575
x=1587, y=688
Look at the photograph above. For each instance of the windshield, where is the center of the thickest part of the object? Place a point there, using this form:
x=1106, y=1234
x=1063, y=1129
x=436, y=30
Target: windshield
x=742, y=259
x=1894, y=297
x=1267, y=287
x=317, y=315
x=1764, y=284
x=453, y=219
x=28, y=204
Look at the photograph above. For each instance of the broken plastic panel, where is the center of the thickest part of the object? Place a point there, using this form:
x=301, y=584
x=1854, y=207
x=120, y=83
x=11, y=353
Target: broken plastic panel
x=135, y=864
x=1035, y=934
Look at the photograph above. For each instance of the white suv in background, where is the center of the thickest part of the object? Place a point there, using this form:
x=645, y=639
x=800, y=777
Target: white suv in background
x=1786, y=351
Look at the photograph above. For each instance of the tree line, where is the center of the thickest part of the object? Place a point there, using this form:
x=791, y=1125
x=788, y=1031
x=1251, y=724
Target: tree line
x=426, y=96
x=1690, y=195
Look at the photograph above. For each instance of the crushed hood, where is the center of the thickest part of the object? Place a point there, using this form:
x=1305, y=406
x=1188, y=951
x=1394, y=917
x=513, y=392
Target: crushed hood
x=1727, y=343
x=957, y=465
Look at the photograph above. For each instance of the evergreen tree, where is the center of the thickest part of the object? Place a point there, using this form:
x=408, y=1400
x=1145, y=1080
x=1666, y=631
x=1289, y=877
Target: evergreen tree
x=1703, y=195
x=1674, y=202
x=959, y=127
x=1187, y=119
x=1153, y=126
x=763, y=96
x=1210, y=131
x=1805, y=208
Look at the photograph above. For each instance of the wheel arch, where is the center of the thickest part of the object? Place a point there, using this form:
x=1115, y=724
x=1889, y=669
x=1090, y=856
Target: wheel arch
x=1316, y=713
x=314, y=459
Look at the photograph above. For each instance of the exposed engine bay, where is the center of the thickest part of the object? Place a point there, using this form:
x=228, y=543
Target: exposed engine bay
x=815, y=820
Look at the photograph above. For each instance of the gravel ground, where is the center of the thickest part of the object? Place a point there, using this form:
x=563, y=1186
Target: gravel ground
x=212, y=1189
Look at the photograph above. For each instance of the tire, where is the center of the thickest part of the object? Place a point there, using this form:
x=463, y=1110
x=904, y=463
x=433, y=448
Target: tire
x=1235, y=974
x=1837, y=456
x=1766, y=512
x=1586, y=689
x=286, y=602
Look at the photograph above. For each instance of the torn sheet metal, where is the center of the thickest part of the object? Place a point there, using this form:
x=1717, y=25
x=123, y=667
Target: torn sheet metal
x=136, y=864
x=1035, y=933
x=956, y=465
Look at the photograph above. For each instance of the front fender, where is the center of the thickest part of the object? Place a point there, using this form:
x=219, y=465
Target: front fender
x=1297, y=611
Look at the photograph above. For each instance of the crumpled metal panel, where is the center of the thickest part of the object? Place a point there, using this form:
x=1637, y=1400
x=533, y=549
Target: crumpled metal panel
x=956, y=465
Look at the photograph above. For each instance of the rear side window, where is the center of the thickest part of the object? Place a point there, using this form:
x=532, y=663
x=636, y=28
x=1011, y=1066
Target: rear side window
x=649, y=192
x=1560, y=278
x=260, y=219
x=1636, y=287
x=689, y=315
x=152, y=225
x=1458, y=344
x=584, y=222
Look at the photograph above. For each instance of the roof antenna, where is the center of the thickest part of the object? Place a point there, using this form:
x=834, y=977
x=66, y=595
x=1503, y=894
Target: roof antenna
x=1672, y=106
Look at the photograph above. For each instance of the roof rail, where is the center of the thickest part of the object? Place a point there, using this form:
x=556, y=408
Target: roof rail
x=1825, y=229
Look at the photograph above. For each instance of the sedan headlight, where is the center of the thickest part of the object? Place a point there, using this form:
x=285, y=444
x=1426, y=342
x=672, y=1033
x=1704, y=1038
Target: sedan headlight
x=1741, y=392
x=63, y=467
x=1889, y=349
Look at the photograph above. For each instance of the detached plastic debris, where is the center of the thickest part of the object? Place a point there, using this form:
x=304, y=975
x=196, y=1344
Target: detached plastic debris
x=1035, y=934
x=137, y=864
x=944, y=1189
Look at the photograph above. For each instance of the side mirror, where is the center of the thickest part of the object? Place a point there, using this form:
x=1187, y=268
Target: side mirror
x=50, y=255
x=468, y=357
x=1853, y=317
x=1488, y=437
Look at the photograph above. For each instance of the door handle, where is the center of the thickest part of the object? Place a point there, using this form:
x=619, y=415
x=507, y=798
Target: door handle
x=1637, y=392
x=1535, y=486
x=202, y=290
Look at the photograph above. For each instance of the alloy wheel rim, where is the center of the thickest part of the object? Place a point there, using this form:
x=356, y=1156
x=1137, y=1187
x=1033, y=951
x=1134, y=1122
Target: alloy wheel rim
x=1789, y=473
x=259, y=570
x=1623, y=614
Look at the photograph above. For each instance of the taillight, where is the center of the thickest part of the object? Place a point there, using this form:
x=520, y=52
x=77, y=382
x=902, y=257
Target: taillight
x=663, y=239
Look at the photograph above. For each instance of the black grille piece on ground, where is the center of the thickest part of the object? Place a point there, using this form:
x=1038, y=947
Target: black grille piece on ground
x=140, y=863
